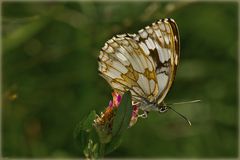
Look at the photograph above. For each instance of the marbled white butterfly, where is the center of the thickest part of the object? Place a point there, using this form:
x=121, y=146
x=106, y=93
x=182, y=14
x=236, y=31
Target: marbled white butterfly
x=144, y=63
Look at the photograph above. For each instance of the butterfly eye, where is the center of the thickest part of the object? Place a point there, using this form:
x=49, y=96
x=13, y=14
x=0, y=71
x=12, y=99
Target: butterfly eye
x=163, y=109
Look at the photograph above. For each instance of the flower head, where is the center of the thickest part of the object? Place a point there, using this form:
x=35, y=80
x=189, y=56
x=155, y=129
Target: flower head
x=104, y=122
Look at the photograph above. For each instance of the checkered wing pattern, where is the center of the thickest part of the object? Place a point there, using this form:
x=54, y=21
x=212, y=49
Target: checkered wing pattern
x=144, y=63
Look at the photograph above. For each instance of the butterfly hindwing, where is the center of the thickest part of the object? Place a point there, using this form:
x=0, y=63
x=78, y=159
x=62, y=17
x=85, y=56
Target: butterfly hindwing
x=125, y=66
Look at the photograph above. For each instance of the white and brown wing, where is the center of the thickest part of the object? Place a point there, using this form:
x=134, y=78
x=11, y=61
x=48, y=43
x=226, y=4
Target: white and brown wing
x=123, y=63
x=144, y=63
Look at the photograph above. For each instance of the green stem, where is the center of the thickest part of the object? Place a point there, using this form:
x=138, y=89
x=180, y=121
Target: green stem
x=101, y=150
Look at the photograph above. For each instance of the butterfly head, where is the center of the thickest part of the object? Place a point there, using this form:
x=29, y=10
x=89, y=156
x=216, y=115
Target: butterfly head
x=153, y=106
x=162, y=108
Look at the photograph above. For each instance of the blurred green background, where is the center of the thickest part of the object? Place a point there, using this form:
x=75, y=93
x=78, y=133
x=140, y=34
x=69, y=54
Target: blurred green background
x=50, y=79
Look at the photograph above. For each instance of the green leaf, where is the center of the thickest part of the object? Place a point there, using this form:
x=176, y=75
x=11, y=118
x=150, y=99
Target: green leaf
x=84, y=130
x=114, y=144
x=123, y=115
x=88, y=122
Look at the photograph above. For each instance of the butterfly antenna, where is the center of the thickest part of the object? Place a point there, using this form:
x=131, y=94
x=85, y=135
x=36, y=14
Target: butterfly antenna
x=181, y=115
x=186, y=102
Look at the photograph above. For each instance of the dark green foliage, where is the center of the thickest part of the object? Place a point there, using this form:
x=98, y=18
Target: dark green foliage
x=123, y=116
x=97, y=139
x=83, y=130
x=86, y=137
x=50, y=79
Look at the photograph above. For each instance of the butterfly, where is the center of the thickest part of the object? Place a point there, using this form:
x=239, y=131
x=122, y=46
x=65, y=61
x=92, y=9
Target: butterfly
x=144, y=63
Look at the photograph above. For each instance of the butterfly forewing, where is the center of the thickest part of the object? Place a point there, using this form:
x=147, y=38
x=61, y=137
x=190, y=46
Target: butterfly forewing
x=144, y=63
